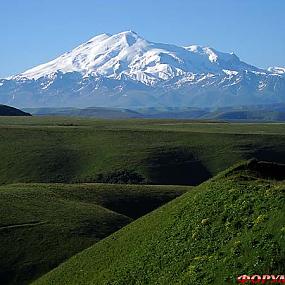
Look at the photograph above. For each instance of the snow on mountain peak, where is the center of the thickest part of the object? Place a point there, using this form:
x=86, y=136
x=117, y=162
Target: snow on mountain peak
x=211, y=53
x=124, y=70
x=277, y=70
x=100, y=37
x=128, y=54
x=99, y=55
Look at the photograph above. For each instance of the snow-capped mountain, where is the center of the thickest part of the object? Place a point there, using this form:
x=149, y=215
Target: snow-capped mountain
x=125, y=70
x=277, y=70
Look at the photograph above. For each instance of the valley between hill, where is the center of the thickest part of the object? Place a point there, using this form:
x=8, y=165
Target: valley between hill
x=71, y=183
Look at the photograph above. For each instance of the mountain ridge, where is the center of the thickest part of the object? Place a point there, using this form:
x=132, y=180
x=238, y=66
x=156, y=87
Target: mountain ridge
x=125, y=70
x=119, y=47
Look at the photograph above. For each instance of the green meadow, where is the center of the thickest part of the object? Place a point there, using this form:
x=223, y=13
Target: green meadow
x=71, y=150
x=229, y=226
x=139, y=201
x=44, y=224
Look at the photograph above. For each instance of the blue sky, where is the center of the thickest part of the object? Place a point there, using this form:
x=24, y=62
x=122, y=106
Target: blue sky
x=35, y=31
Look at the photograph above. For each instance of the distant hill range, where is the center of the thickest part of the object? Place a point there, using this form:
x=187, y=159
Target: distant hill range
x=97, y=112
x=10, y=111
x=274, y=112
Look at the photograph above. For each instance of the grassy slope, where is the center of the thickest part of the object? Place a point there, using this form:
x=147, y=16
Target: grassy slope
x=231, y=225
x=43, y=224
x=162, y=151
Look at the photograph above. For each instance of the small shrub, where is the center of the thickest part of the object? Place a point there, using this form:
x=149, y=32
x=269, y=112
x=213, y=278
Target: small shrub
x=121, y=177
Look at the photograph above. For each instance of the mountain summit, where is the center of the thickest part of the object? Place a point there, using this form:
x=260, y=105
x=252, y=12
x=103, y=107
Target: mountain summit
x=129, y=54
x=125, y=70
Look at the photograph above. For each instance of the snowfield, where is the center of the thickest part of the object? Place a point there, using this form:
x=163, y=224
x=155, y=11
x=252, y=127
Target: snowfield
x=125, y=70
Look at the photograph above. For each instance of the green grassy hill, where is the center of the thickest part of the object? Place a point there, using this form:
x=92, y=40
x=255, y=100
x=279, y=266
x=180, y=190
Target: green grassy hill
x=41, y=225
x=233, y=224
x=129, y=151
x=11, y=111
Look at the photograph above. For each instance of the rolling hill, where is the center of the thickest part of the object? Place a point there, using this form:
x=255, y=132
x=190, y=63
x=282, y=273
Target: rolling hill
x=231, y=225
x=44, y=221
x=97, y=112
x=257, y=113
x=41, y=225
x=73, y=150
x=10, y=111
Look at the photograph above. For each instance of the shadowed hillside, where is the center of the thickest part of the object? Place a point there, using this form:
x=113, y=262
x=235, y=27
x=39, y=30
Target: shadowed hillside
x=10, y=111
x=42, y=225
x=73, y=150
x=231, y=225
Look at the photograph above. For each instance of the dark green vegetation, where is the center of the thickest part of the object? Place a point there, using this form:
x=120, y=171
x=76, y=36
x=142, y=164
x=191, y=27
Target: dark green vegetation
x=41, y=225
x=72, y=150
x=233, y=224
x=10, y=111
